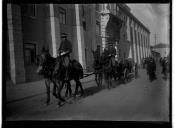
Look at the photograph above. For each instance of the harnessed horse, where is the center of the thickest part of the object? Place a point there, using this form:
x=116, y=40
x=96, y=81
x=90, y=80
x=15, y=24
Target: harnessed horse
x=97, y=65
x=109, y=69
x=53, y=71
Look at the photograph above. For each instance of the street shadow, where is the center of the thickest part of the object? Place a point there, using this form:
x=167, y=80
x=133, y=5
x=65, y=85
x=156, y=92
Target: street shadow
x=92, y=90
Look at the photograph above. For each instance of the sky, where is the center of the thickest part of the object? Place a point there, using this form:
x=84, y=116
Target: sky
x=156, y=18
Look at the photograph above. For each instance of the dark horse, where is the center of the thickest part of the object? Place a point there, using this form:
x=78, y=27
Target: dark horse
x=97, y=65
x=54, y=72
x=109, y=65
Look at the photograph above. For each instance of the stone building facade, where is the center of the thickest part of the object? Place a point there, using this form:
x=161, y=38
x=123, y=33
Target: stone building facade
x=32, y=27
x=122, y=29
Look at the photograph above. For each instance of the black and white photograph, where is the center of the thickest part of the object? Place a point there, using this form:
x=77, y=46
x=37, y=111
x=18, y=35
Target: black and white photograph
x=93, y=62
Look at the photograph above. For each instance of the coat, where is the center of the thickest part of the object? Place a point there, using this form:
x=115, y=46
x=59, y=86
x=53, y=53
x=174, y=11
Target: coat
x=66, y=46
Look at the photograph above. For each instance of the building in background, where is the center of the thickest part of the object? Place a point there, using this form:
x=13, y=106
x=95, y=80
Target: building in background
x=32, y=27
x=120, y=28
x=162, y=49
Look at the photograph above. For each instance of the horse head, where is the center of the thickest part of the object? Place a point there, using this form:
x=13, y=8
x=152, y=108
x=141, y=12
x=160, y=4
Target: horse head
x=43, y=61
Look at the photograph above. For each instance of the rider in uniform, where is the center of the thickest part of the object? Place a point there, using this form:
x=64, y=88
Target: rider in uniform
x=65, y=49
x=64, y=52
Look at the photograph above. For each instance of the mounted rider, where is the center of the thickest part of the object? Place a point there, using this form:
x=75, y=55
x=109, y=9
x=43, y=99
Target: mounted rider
x=64, y=53
x=65, y=49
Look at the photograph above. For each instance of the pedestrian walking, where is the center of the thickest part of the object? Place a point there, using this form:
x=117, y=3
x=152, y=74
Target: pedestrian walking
x=136, y=70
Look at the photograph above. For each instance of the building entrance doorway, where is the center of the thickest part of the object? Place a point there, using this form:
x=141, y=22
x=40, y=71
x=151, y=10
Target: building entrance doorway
x=30, y=61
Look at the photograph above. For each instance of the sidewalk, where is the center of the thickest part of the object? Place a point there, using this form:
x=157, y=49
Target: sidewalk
x=28, y=90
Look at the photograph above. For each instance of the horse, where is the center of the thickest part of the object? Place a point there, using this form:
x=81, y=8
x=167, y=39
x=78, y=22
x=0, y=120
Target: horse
x=97, y=65
x=53, y=71
x=109, y=69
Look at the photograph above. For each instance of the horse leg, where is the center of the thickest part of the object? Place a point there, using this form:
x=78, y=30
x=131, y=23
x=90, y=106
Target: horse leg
x=97, y=79
x=66, y=93
x=69, y=88
x=81, y=87
x=47, y=83
x=76, y=89
x=59, y=93
x=100, y=79
x=78, y=84
x=54, y=90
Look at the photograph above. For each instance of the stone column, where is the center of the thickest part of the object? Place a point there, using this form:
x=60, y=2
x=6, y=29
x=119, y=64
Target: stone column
x=134, y=42
x=17, y=70
x=138, y=53
x=140, y=43
x=78, y=37
x=129, y=38
x=139, y=50
x=53, y=30
x=143, y=45
x=93, y=29
x=149, y=53
x=146, y=45
x=103, y=24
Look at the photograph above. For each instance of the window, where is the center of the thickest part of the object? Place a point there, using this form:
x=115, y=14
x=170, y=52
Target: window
x=62, y=15
x=83, y=11
x=97, y=28
x=84, y=25
x=97, y=7
x=29, y=10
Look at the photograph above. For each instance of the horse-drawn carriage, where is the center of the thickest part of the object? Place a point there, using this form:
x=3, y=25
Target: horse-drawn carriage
x=110, y=68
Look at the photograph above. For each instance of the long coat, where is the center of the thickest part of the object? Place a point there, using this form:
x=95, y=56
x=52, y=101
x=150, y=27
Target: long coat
x=65, y=46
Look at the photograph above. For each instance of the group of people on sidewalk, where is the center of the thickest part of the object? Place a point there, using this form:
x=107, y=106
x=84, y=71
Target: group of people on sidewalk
x=151, y=68
x=164, y=62
x=150, y=64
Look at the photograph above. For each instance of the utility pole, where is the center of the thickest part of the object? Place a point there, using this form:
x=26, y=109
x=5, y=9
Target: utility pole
x=155, y=36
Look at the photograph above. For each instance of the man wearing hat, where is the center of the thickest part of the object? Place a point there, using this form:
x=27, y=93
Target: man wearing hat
x=65, y=46
x=64, y=51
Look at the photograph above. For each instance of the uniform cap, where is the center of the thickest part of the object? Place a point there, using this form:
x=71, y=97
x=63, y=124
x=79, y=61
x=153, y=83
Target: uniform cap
x=63, y=35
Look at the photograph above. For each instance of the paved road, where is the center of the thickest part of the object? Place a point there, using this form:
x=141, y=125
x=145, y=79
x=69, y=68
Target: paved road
x=138, y=100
